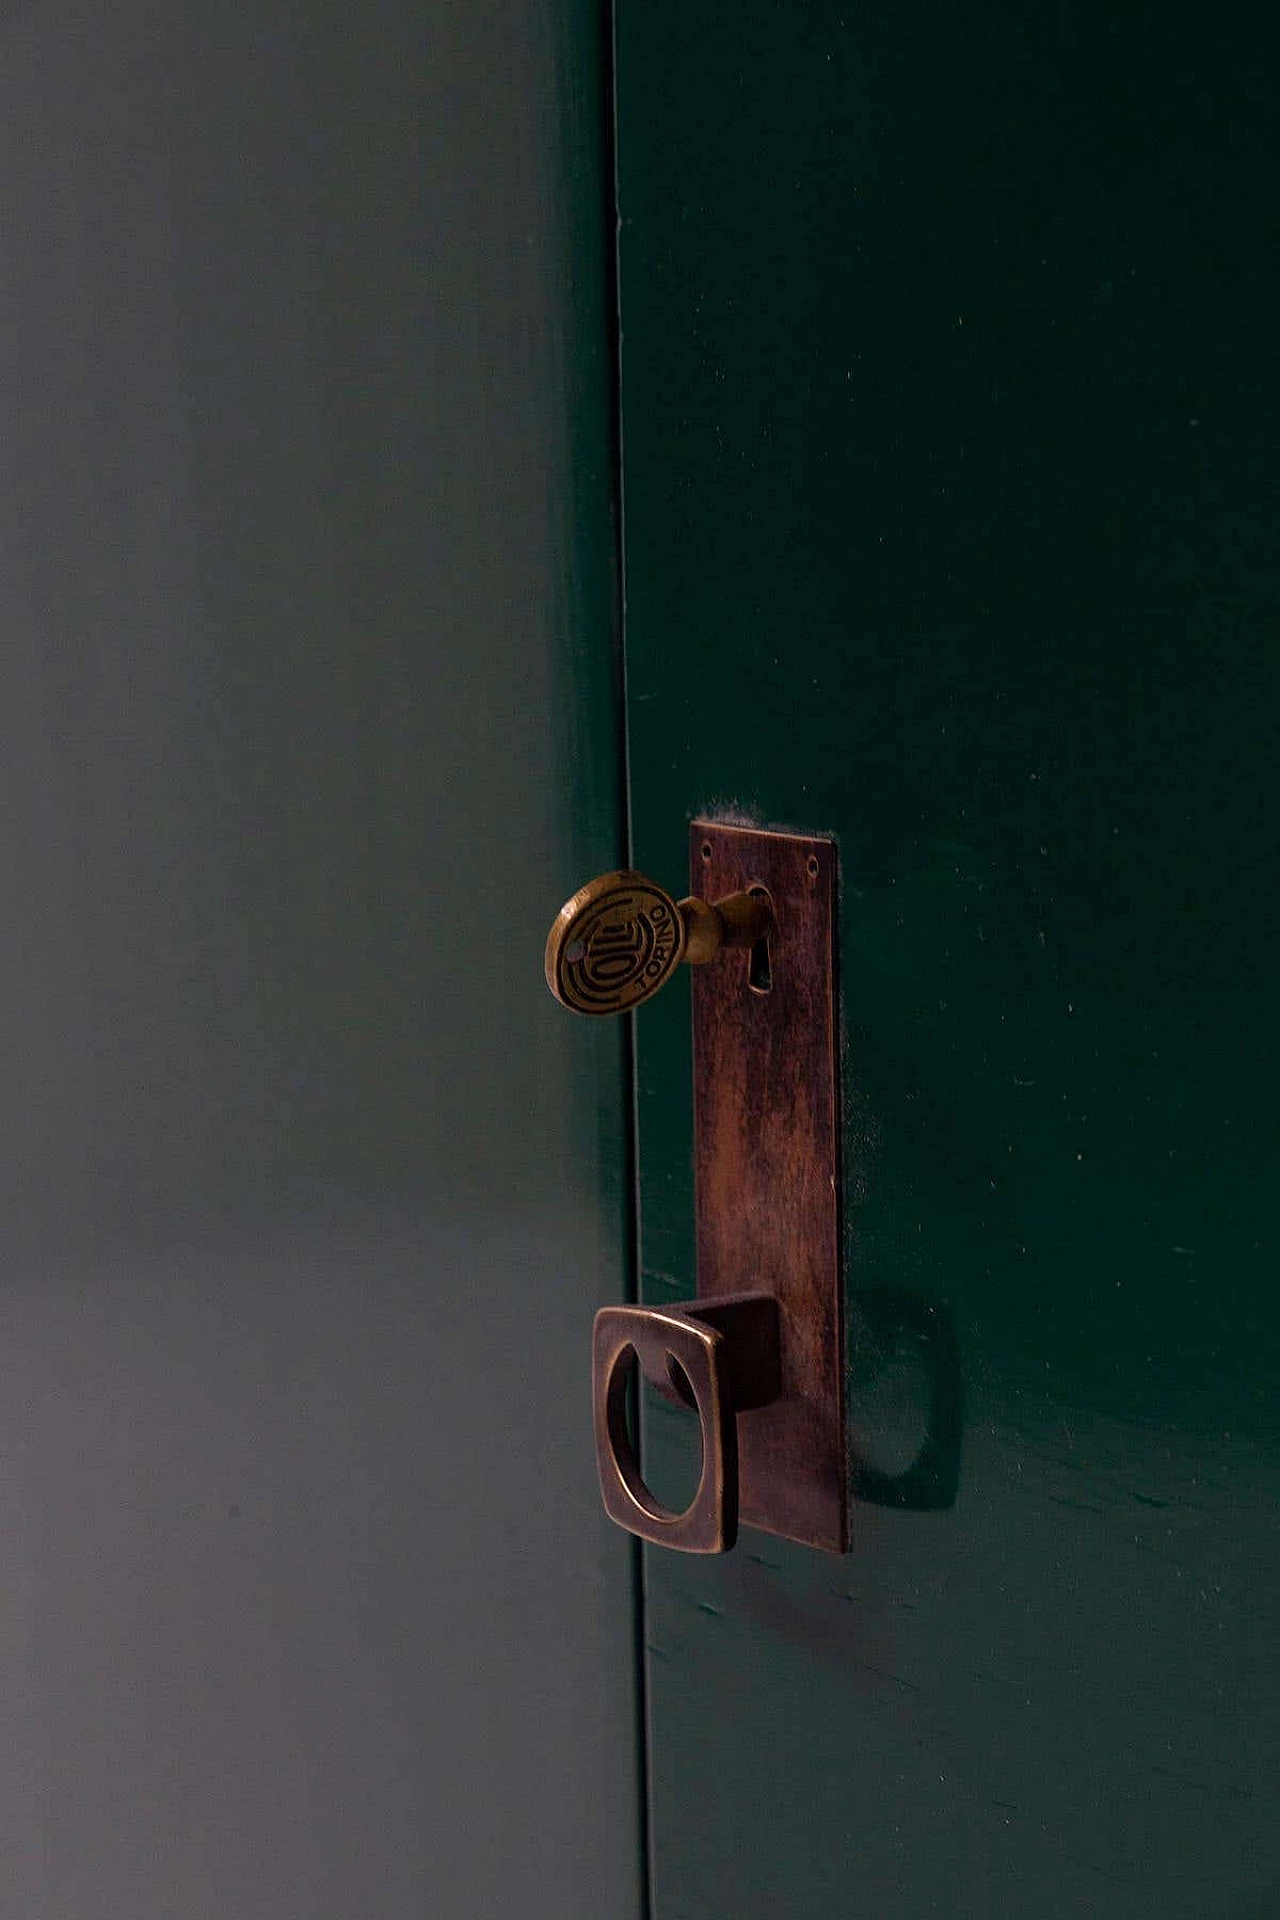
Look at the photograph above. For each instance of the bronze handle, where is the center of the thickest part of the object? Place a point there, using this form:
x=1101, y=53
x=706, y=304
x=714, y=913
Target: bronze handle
x=759, y=1354
x=728, y=1352
x=621, y=937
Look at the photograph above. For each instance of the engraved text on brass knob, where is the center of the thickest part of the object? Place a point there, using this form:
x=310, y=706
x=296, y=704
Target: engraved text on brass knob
x=621, y=937
x=613, y=944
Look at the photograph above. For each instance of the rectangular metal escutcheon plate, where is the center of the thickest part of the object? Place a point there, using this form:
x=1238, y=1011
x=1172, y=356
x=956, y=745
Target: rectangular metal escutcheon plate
x=767, y=1156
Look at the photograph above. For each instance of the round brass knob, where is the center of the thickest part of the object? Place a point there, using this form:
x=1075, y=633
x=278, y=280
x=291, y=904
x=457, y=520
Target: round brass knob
x=621, y=937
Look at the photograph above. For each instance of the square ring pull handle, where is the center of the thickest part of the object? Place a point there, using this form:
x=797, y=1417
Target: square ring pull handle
x=728, y=1352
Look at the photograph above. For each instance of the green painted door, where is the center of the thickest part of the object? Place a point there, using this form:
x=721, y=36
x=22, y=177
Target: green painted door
x=949, y=408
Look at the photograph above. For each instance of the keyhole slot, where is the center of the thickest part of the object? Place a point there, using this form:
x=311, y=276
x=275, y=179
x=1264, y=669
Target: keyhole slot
x=760, y=962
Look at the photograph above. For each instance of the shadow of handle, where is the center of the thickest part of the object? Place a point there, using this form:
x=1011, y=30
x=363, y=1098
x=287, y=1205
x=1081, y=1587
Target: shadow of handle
x=903, y=1349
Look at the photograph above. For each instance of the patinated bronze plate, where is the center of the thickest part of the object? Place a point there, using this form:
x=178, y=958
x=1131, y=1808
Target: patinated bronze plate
x=767, y=1156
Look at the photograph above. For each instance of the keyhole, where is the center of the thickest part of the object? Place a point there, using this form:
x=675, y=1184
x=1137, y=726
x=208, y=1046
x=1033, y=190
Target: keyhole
x=760, y=966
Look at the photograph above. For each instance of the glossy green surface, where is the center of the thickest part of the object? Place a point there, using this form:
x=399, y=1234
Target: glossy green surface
x=949, y=410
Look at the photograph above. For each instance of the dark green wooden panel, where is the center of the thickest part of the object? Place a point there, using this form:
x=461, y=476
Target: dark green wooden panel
x=950, y=424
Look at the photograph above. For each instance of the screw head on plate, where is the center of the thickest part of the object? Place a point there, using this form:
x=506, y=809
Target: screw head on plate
x=614, y=944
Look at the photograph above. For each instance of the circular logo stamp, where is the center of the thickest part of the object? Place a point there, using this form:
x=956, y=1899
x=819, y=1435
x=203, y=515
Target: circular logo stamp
x=615, y=943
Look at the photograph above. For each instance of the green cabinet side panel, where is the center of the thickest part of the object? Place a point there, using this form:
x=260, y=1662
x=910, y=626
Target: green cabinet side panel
x=308, y=719
x=950, y=423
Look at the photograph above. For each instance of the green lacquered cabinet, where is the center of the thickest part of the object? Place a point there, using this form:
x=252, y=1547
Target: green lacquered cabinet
x=949, y=409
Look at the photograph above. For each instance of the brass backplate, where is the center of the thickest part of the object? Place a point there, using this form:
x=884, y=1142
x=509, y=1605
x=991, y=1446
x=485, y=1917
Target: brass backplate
x=767, y=1155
